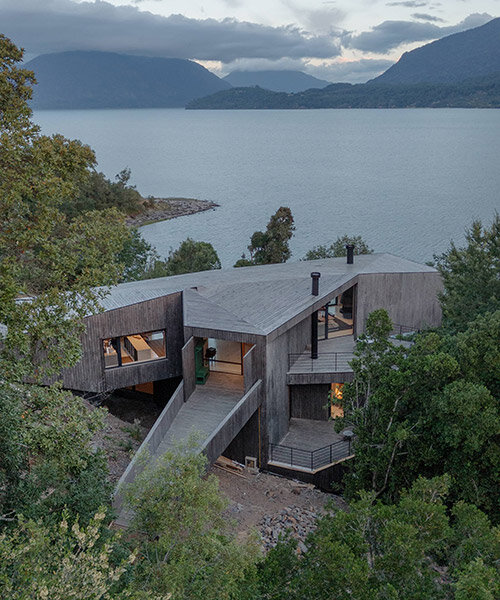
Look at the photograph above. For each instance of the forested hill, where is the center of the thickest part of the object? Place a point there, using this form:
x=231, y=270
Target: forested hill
x=277, y=81
x=483, y=92
x=109, y=80
x=471, y=53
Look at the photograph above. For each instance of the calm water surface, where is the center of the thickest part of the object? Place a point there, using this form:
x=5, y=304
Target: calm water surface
x=406, y=180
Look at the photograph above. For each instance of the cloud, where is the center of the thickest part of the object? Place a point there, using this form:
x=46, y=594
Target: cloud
x=322, y=20
x=356, y=71
x=390, y=34
x=408, y=4
x=426, y=17
x=58, y=25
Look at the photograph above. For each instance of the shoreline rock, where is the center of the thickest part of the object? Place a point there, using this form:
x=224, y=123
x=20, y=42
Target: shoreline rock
x=164, y=209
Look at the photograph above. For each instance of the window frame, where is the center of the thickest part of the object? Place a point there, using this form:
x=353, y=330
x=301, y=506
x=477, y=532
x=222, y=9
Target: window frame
x=119, y=350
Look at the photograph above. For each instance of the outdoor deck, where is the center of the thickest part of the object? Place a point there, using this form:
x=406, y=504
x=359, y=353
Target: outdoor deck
x=310, y=446
x=334, y=356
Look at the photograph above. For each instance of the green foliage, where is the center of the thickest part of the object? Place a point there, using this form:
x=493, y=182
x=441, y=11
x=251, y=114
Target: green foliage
x=185, y=540
x=47, y=461
x=338, y=248
x=375, y=551
x=138, y=258
x=478, y=92
x=477, y=582
x=416, y=413
x=52, y=259
x=97, y=192
x=478, y=352
x=471, y=276
x=274, y=573
x=191, y=257
x=61, y=561
x=271, y=246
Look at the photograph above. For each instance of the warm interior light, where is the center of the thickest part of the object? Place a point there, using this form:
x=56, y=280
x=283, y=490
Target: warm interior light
x=336, y=409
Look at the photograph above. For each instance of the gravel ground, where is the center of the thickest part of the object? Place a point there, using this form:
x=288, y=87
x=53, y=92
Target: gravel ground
x=270, y=505
x=169, y=208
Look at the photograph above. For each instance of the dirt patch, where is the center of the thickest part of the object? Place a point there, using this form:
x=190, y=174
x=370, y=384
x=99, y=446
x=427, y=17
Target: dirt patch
x=126, y=425
x=270, y=504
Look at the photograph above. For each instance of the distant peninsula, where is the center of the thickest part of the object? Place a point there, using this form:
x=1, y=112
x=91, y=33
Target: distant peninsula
x=163, y=209
x=482, y=92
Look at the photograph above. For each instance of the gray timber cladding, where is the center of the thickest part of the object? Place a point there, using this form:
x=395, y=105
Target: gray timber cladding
x=276, y=413
x=409, y=298
x=310, y=402
x=150, y=315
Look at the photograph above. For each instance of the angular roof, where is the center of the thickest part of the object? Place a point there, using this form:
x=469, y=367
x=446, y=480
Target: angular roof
x=258, y=299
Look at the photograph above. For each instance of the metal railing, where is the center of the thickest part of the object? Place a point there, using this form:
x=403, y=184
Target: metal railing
x=403, y=329
x=311, y=459
x=337, y=362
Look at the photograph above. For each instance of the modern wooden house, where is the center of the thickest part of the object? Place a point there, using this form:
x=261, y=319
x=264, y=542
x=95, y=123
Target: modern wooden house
x=249, y=357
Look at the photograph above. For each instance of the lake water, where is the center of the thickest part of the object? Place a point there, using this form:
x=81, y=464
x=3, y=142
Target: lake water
x=406, y=180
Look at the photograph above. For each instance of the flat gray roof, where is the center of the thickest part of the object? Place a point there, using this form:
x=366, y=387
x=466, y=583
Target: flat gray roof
x=258, y=299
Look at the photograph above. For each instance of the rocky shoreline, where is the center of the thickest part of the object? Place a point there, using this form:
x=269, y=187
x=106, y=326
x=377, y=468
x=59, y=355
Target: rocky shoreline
x=163, y=209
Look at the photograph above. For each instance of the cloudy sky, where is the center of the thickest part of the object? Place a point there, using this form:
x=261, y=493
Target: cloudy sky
x=337, y=40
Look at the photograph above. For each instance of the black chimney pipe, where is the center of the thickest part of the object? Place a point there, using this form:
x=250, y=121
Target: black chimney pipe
x=350, y=253
x=315, y=283
x=314, y=335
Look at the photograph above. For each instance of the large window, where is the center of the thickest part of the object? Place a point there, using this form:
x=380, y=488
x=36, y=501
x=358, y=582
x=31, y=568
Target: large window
x=134, y=348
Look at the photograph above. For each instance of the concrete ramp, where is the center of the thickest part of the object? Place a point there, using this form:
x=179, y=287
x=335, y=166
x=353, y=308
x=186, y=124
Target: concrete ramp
x=204, y=410
x=216, y=412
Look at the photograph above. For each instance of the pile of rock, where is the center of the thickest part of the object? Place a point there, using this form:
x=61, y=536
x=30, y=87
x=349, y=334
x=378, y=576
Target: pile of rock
x=294, y=519
x=162, y=209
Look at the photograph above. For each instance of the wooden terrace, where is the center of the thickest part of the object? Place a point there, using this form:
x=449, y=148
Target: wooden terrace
x=334, y=356
x=311, y=446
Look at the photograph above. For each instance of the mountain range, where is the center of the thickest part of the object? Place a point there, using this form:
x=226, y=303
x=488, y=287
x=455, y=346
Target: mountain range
x=108, y=80
x=454, y=58
x=276, y=81
x=459, y=70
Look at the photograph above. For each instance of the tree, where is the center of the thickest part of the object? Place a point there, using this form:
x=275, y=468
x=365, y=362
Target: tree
x=62, y=561
x=471, y=276
x=338, y=248
x=191, y=257
x=52, y=260
x=272, y=245
x=416, y=413
x=50, y=265
x=184, y=536
x=138, y=258
x=97, y=192
x=411, y=550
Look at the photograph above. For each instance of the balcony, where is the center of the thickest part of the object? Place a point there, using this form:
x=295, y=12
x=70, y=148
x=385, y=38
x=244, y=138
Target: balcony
x=311, y=446
x=334, y=356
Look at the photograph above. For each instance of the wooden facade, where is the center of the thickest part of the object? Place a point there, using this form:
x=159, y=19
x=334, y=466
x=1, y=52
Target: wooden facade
x=269, y=328
x=164, y=313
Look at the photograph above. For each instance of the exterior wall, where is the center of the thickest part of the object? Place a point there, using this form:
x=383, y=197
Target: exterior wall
x=409, y=298
x=276, y=406
x=309, y=402
x=233, y=423
x=188, y=368
x=250, y=368
x=247, y=442
x=161, y=313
